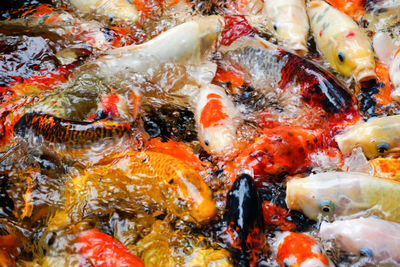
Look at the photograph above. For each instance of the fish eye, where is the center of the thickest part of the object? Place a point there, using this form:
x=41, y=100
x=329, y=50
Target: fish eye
x=327, y=206
x=382, y=147
x=341, y=56
x=206, y=142
x=275, y=27
x=286, y=263
x=366, y=252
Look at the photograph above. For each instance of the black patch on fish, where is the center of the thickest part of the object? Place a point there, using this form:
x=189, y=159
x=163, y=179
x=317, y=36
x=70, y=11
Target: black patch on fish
x=319, y=18
x=243, y=221
x=6, y=203
x=367, y=102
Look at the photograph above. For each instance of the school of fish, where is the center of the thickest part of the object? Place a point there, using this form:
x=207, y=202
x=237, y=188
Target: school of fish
x=200, y=133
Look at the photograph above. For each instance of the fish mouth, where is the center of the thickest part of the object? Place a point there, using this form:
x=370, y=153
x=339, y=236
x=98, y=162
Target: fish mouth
x=364, y=75
x=291, y=202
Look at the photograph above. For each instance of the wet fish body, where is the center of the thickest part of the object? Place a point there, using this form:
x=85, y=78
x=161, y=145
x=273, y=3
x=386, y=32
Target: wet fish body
x=299, y=250
x=340, y=194
x=372, y=237
x=341, y=41
x=187, y=43
x=376, y=137
x=267, y=67
x=243, y=222
x=216, y=120
x=58, y=130
x=288, y=22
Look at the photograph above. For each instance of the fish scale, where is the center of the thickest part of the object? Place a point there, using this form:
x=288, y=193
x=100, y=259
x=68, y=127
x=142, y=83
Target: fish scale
x=151, y=176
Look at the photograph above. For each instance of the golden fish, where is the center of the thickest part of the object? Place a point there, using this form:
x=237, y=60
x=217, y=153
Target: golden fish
x=137, y=179
x=338, y=194
x=166, y=247
x=341, y=41
x=288, y=22
x=376, y=137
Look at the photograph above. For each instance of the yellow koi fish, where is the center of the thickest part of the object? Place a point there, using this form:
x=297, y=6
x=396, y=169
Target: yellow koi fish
x=135, y=179
x=337, y=194
x=341, y=41
x=376, y=137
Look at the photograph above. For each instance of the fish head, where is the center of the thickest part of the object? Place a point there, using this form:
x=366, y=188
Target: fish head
x=210, y=29
x=218, y=140
x=377, y=137
x=350, y=54
x=190, y=195
x=326, y=195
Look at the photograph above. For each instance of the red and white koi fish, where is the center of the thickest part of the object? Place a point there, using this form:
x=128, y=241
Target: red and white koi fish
x=299, y=250
x=217, y=120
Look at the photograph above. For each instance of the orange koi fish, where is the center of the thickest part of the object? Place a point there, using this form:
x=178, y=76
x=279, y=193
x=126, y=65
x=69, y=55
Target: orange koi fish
x=280, y=151
x=102, y=250
x=299, y=250
x=178, y=150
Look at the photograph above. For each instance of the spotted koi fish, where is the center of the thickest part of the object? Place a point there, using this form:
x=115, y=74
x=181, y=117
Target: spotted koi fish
x=341, y=41
x=58, y=130
x=243, y=222
x=299, y=250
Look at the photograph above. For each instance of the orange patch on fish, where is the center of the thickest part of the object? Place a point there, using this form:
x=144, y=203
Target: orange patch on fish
x=352, y=8
x=386, y=167
x=232, y=75
x=213, y=113
x=300, y=247
x=178, y=150
x=109, y=103
x=384, y=95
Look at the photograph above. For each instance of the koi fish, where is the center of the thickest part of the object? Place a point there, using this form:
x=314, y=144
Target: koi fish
x=337, y=194
x=102, y=250
x=372, y=237
x=178, y=150
x=58, y=130
x=299, y=250
x=137, y=178
x=352, y=8
x=188, y=42
x=216, y=120
x=243, y=223
x=280, y=151
x=341, y=42
x=267, y=67
x=288, y=21
x=376, y=137
x=156, y=248
x=119, y=10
